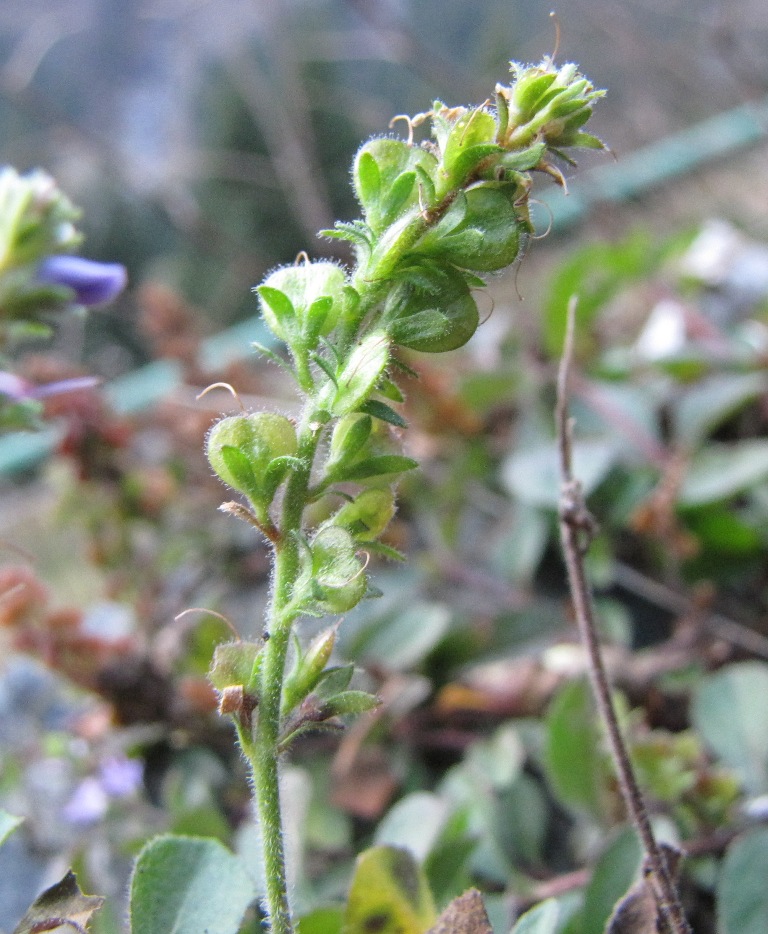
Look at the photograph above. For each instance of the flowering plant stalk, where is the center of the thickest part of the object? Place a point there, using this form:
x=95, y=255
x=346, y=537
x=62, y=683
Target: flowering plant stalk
x=436, y=217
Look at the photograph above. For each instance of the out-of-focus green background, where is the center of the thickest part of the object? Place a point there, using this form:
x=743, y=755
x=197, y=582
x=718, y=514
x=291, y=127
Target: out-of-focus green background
x=208, y=141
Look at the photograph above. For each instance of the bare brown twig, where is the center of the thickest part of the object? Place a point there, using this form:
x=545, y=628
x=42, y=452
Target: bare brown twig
x=576, y=527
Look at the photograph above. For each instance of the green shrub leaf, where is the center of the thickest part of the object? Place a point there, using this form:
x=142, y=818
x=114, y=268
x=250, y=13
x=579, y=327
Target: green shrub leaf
x=389, y=894
x=725, y=712
x=189, y=886
x=741, y=890
x=543, y=919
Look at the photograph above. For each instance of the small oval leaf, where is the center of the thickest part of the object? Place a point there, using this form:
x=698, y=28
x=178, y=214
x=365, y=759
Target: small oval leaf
x=189, y=886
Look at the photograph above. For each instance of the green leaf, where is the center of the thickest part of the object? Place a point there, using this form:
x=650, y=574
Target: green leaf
x=356, y=233
x=397, y=164
x=415, y=823
x=239, y=472
x=723, y=470
x=742, y=894
x=386, y=551
x=399, y=194
x=522, y=160
x=724, y=713
x=381, y=410
x=188, y=886
x=434, y=314
x=233, y=663
x=587, y=141
x=334, y=681
x=8, y=823
x=350, y=702
x=468, y=161
x=367, y=178
x=595, y=273
x=487, y=235
x=472, y=137
x=321, y=921
x=377, y=466
x=389, y=895
x=390, y=390
x=447, y=864
x=575, y=762
x=528, y=91
x=348, y=438
x=721, y=531
x=543, y=919
x=325, y=366
x=367, y=516
x=272, y=356
x=277, y=470
x=532, y=474
x=705, y=405
x=278, y=311
x=62, y=906
x=498, y=759
x=616, y=870
x=361, y=373
x=398, y=640
x=525, y=835
x=426, y=185
x=315, y=318
x=307, y=669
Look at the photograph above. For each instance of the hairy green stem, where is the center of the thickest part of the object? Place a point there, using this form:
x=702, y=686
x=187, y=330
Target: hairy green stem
x=371, y=282
x=264, y=752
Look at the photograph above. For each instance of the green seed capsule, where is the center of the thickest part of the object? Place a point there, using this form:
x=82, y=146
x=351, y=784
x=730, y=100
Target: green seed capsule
x=240, y=449
x=367, y=515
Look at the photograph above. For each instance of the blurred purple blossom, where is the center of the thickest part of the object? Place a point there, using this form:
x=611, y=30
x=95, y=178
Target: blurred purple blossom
x=118, y=777
x=15, y=388
x=121, y=777
x=93, y=283
x=88, y=803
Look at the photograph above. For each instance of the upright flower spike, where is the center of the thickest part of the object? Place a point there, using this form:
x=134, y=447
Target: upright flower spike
x=434, y=216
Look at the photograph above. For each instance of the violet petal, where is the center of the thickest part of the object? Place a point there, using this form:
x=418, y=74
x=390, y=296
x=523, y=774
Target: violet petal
x=88, y=803
x=121, y=777
x=93, y=283
x=14, y=387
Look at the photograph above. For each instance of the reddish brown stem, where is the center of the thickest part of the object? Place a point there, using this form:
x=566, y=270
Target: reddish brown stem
x=576, y=525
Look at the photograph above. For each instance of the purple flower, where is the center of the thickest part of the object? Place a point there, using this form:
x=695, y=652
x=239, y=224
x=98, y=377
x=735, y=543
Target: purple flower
x=88, y=804
x=121, y=777
x=93, y=283
x=15, y=388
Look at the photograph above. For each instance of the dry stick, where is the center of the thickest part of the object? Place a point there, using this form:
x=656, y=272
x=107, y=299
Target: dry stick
x=575, y=523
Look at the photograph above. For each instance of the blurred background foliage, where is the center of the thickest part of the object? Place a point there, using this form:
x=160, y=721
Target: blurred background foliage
x=207, y=142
